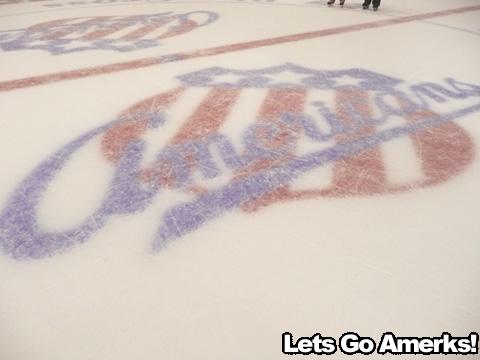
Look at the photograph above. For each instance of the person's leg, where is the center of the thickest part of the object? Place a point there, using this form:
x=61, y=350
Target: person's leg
x=331, y=2
x=366, y=4
x=376, y=3
x=342, y=2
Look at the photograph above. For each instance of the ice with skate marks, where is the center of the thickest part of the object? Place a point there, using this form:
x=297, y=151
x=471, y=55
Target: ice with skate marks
x=221, y=159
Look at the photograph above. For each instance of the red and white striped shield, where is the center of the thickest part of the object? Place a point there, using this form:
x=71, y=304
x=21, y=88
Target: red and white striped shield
x=344, y=105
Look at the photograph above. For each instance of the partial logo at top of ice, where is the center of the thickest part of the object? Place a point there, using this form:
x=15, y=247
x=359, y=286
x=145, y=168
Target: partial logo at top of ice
x=118, y=33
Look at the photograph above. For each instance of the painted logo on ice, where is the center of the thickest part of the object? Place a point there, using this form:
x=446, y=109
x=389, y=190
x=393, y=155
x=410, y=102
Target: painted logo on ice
x=119, y=33
x=259, y=165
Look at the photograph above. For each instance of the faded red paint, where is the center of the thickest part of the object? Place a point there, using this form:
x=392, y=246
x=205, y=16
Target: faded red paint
x=135, y=64
x=277, y=103
x=135, y=124
x=98, y=34
x=185, y=27
x=144, y=30
x=444, y=151
x=209, y=116
x=363, y=173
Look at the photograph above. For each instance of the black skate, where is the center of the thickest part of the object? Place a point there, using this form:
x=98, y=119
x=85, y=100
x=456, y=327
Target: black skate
x=365, y=7
x=375, y=8
x=331, y=2
x=342, y=2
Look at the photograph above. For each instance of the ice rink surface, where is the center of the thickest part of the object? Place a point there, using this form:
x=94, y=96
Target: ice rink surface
x=190, y=179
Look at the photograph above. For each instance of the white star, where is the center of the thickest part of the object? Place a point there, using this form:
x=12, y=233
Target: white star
x=347, y=80
x=228, y=78
x=116, y=42
x=73, y=44
x=287, y=77
x=38, y=43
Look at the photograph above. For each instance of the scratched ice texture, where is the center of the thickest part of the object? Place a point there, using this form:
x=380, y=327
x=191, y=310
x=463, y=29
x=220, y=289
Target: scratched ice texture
x=267, y=161
x=190, y=179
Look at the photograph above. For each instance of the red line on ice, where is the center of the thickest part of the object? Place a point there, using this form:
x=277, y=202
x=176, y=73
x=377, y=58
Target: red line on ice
x=150, y=61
